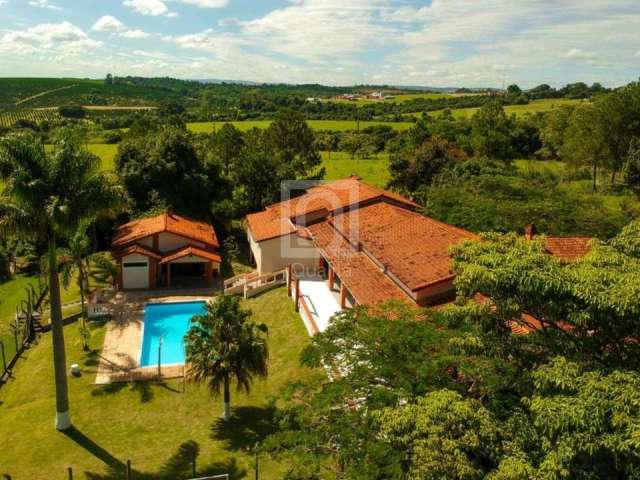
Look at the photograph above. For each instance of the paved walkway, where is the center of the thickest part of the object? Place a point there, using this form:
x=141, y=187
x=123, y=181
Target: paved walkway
x=321, y=301
x=120, y=356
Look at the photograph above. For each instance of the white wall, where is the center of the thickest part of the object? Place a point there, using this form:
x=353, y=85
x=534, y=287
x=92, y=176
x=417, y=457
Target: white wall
x=136, y=277
x=169, y=241
x=277, y=253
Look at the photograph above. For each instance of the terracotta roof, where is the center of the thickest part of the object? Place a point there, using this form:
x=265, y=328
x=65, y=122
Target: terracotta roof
x=190, y=250
x=166, y=222
x=365, y=281
x=413, y=247
x=323, y=199
x=568, y=248
x=141, y=249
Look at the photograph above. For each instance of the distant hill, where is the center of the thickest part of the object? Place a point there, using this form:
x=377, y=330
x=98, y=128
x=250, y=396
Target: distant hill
x=52, y=92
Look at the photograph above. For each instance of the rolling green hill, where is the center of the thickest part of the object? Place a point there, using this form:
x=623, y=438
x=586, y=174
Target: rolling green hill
x=25, y=93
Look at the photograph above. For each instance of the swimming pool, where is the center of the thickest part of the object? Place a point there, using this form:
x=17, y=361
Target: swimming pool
x=169, y=322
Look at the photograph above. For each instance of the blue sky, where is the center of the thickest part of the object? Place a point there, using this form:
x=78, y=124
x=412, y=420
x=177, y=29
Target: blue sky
x=338, y=42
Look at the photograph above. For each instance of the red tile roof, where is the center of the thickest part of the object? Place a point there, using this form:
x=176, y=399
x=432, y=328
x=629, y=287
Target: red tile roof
x=365, y=281
x=141, y=249
x=166, y=222
x=190, y=250
x=568, y=248
x=413, y=247
x=275, y=221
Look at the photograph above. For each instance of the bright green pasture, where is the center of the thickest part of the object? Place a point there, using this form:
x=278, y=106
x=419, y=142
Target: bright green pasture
x=537, y=106
x=335, y=125
x=145, y=422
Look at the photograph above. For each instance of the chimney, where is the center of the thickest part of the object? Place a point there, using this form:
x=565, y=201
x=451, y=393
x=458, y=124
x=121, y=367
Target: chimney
x=530, y=231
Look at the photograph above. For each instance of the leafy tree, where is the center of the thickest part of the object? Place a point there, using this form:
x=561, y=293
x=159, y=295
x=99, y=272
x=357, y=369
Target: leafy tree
x=588, y=307
x=553, y=131
x=491, y=132
x=224, y=345
x=620, y=112
x=632, y=172
x=292, y=141
x=72, y=111
x=44, y=198
x=165, y=169
x=514, y=90
x=443, y=436
x=378, y=358
x=418, y=133
x=411, y=170
x=585, y=142
x=228, y=143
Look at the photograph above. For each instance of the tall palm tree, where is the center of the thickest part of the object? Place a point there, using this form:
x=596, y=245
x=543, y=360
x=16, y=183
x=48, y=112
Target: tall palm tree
x=77, y=254
x=45, y=197
x=223, y=344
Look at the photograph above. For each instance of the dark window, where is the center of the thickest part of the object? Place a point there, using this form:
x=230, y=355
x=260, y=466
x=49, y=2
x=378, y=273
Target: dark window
x=135, y=265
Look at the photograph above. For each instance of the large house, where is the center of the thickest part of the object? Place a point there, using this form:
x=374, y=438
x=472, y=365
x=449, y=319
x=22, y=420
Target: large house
x=157, y=250
x=372, y=243
x=347, y=243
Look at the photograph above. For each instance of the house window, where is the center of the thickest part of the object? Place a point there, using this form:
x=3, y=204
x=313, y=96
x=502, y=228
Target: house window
x=135, y=265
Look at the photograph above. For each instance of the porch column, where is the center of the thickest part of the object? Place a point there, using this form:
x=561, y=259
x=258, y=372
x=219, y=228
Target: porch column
x=208, y=271
x=169, y=274
x=343, y=295
x=331, y=278
x=297, y=294
x=119, y=277
x=289, y=280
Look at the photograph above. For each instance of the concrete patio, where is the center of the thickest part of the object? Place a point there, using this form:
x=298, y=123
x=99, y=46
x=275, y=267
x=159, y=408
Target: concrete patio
x=322, y=303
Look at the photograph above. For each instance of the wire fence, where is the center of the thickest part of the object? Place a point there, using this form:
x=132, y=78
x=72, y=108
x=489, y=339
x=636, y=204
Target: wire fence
x=23, y=330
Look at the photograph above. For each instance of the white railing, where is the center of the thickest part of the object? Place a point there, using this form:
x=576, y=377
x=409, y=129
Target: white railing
x=252, y=284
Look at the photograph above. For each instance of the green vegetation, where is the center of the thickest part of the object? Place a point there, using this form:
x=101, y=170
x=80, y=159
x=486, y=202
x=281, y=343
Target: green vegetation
x=460, y=393
x=536, y=106
x=373, y=170
x=144, y=422
x=333, y=125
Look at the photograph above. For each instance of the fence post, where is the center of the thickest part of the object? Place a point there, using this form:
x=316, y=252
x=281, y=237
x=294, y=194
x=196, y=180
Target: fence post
x=4, y=358
x=70, y=470
x=15, y=337
x=128, y=469
x=193, y=463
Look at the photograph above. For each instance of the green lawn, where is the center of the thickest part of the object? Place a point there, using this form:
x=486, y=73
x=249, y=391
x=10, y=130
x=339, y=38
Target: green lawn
x=374, y=171
x=107, y=154
x=335, y=125
x=12, y=292
x=536, y=106
x=143, y=422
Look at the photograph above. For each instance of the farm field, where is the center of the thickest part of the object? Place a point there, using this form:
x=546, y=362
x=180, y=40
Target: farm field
x=8, y=119
x=536, y=106
x=53, y=92
x=144, y=422
x=335, y=125
x=374, y=171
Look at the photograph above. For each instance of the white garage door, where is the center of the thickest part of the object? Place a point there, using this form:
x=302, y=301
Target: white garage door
x=135, y=275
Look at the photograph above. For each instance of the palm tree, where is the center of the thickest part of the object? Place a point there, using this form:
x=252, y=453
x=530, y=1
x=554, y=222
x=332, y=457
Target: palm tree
x=77, y=255
x=223, y=344
x=45, y=197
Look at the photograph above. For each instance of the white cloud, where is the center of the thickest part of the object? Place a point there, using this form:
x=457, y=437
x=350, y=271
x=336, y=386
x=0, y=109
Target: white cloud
x=147, y=7
x=228, y=22
x=43, y=4
x=576, y=53
x=135, y=34
x=62, y=37
x=3, y=2
x=108, y=23
x=172, y=14
x=206, y=3
x=322, y=29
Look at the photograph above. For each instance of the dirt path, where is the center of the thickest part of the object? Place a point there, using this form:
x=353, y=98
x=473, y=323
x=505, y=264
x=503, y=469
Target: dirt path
x=24, y=100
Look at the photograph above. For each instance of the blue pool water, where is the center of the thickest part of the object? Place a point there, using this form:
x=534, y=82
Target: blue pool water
x=169, y=322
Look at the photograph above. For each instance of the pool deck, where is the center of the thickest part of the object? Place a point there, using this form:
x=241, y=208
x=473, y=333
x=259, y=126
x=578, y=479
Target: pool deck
x=119, y=359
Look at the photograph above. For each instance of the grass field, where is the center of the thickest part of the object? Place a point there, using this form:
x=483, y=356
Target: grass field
x=143, y=422
x=537, y=106
x=374, y=171
x=335, y=125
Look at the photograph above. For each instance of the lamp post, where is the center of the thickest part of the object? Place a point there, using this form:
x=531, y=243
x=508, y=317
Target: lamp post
x=159, y=358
